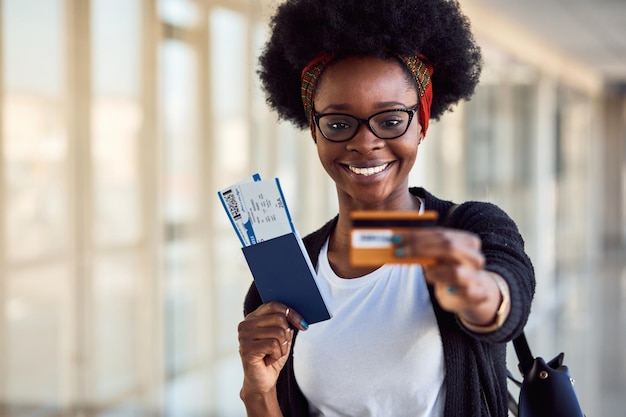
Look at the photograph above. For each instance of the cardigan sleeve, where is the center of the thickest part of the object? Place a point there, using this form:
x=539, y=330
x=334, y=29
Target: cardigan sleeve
x=503, y=247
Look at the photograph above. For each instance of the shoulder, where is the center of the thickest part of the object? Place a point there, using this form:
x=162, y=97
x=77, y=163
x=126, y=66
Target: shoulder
x=489, y=221
x=473, y=216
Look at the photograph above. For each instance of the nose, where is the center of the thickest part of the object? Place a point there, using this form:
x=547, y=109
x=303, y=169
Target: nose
x=365, y=140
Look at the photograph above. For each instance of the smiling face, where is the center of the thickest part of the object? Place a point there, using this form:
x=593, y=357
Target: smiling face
x=370, y=173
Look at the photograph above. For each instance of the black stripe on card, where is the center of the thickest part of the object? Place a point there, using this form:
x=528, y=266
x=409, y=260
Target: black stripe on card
x=395, y=223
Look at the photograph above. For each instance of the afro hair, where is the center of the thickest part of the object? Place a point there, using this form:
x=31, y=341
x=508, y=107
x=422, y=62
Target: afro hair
x=303, y=29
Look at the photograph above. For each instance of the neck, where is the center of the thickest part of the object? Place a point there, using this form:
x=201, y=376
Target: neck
x=339, y=243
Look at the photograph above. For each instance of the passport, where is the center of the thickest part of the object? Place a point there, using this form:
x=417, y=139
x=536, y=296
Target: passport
x=283, y=272
x=272, y=247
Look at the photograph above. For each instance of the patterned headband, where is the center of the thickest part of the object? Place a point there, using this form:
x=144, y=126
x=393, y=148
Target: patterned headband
x=419, y=66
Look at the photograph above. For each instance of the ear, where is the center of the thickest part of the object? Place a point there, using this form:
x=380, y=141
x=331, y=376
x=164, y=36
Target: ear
x=420, y=136
x=314, y=133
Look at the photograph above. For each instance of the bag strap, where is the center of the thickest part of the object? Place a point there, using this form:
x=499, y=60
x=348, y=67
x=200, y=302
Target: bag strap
x=446, y=217
x=526, y=359
x=523, y=352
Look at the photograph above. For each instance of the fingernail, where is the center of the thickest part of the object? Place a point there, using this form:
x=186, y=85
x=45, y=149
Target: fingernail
x=399, y=252
x=304, y=324
x=396, y=239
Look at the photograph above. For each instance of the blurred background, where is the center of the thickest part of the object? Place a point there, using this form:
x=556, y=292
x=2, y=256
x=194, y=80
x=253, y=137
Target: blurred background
x=121, y=280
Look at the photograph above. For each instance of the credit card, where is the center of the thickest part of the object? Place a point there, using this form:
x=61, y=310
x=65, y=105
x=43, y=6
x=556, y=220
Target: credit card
x=370, y=237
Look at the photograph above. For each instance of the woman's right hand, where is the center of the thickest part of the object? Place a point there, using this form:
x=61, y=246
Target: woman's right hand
x=265, y=339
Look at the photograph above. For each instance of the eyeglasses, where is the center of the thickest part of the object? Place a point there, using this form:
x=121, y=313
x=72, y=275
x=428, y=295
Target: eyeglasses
x=388, y=124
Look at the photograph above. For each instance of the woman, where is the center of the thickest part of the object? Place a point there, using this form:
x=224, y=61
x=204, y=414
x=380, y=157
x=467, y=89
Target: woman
x=404, y=340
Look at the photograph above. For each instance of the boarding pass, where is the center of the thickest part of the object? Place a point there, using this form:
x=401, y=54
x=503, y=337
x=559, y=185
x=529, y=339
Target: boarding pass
x=257, y=209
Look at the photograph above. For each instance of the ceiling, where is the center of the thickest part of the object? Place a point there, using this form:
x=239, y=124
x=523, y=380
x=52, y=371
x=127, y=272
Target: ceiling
x=591, y=32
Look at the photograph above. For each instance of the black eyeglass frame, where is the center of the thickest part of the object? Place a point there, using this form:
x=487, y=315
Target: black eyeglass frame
x=410, y=111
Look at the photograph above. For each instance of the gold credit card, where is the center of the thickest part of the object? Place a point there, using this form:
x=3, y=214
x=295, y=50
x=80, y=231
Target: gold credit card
x=370, y=238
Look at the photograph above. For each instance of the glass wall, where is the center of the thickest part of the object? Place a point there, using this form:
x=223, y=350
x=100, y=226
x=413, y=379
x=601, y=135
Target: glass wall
x=36, y=269
x=183, y=168
x=230, y=82
x=72, y=233
x=114, y=233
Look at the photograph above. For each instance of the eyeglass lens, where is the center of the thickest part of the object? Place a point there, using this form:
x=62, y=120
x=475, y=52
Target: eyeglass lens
x=385, y=125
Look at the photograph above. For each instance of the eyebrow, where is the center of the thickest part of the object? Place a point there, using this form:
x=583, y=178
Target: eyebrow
x=345, y=106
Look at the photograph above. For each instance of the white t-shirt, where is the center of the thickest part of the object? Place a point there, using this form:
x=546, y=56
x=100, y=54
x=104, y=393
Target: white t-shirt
x=381, y=354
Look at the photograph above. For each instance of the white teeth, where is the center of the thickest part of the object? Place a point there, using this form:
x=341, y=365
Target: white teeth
x=368, y=171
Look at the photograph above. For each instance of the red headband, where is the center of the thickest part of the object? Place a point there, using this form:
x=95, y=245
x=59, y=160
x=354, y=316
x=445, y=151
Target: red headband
x=419, y=66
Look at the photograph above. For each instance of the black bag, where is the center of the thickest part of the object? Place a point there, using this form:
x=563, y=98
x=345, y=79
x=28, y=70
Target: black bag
x=547, y=390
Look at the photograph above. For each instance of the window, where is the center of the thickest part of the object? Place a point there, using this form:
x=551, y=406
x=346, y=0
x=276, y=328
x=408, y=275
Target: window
x=114, y=287
x=35, y=289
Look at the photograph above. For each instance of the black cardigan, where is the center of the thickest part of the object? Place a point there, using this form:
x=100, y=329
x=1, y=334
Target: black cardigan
x=475, y=364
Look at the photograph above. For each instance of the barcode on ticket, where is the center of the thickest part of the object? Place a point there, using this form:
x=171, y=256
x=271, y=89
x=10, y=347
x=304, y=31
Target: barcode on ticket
x=232, y=204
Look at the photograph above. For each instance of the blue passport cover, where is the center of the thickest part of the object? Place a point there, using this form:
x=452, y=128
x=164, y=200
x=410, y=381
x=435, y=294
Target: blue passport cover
x=281, y=273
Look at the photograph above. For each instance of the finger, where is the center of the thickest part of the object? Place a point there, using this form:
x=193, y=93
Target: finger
x=273, y=307
x=292, y=317
x=449, y=246
x=296, y=320
x=251, y=332
x=266, y=350
x=263, y=327
x=273, y=339
x=286, y=345
x=447, y=274
x=459, y=292
x=281, y=311
x=283, y=350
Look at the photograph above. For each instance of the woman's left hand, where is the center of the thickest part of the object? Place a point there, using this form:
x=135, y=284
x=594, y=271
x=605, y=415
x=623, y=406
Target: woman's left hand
x=462, y=285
